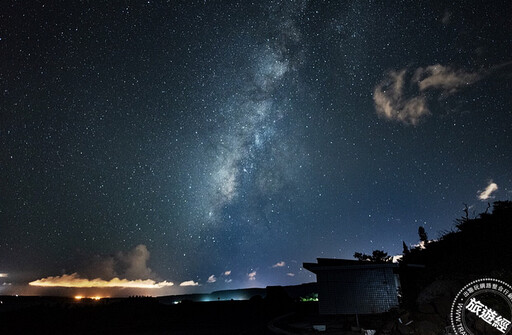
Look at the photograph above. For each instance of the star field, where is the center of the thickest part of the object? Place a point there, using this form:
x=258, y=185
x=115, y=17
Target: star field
x=180, y=140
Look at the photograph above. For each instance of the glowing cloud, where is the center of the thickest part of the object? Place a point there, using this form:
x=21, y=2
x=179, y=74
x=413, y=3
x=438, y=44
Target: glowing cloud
x=227, y=273
x=397, y=258
x=189, y=283
x=252, y=275
x=211, y=279
x=73, y=280
x=124, y=270
x=392, y=102
x=445, y=78
x=486, y=194
x=279, y=264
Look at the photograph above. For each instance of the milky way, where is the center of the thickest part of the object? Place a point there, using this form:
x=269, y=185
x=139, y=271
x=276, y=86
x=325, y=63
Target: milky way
x=254, y=116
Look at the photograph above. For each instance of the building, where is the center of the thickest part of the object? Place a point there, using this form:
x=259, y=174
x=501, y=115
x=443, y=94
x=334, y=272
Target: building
x=355, y=287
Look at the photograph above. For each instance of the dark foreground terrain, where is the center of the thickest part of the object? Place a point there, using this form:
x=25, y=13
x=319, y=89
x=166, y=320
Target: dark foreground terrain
x=54, y=315
x=42, y=315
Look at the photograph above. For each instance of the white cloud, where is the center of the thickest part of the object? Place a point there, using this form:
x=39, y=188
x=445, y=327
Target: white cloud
x=421, y=245
x=73, y=280
x=443, y=77
x=392, y=103
x=486, y=194
x=397, y=258
x=279, y=264
x=211, y=279
x=252, y=275
x=289, y=274
x=189, y=283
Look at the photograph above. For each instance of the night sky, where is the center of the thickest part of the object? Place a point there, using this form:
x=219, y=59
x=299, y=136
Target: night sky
x=221, y=144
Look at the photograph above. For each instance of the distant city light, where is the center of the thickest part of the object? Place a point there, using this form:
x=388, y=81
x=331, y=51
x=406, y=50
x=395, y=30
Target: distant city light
x=80, y=297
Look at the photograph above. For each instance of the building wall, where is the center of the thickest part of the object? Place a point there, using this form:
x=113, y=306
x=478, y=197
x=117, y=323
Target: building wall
x=362, y=291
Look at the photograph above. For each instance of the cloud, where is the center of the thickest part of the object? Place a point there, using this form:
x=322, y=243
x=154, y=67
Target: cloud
x=279, y=264
x=135, y=262
x=252, y=275
x=289, y=274
x=227, y=273
x=106, y=267
x=189, y=283
x=73, y=280
x=392, y=102
x=421, y=245
x=4, y=275
x=397, y=258
x=486, y=194
x=445, y=78
x=125, y=269
x=131, y=265
x=211, y=279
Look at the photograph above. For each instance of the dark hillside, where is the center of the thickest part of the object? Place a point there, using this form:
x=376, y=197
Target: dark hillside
x=476, y=247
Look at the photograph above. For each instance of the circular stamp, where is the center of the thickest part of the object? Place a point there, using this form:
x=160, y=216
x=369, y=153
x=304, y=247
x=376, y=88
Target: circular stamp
x=483, y=306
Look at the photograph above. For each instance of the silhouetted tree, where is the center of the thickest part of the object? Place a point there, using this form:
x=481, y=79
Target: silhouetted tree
x=377, y=256
x=406, y=249
x=423, y=234
x=462, y=221
x=487, y=209
x=362, y=257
